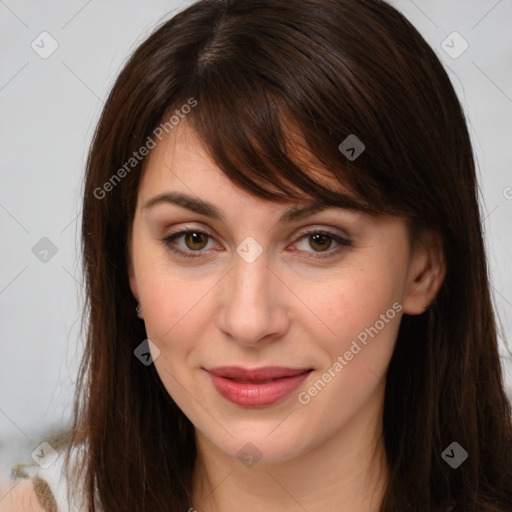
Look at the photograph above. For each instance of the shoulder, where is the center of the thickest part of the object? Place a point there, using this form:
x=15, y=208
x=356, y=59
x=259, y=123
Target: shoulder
x=21, y=497
x=42, y=488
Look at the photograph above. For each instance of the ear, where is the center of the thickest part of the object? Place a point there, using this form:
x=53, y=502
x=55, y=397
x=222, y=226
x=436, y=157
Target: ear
x=427, y=270
x=134, y=288
x=131, y=276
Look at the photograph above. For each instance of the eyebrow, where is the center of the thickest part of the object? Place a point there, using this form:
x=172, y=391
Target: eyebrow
x=203, y=207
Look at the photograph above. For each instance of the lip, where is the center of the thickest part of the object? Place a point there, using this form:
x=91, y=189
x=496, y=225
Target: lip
x=258, y=387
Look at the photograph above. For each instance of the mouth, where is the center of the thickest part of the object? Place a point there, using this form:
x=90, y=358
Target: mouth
x=258, y=387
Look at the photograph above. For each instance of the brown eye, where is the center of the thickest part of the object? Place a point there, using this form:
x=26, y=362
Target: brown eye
x=320, y=242
x=195, y=240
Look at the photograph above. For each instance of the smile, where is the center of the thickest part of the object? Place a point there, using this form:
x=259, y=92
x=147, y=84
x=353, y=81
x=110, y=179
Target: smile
x=257, y=387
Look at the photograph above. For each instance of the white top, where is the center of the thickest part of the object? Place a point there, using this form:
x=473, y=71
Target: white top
x=52, y=472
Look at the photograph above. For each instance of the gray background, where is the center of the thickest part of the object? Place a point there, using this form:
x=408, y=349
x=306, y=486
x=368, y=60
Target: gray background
x=48, y=110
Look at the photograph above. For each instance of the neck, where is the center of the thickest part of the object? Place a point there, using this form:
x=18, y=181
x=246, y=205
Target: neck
x=345, y=472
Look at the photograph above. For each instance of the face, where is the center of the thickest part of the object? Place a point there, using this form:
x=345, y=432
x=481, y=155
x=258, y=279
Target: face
x=313, y=301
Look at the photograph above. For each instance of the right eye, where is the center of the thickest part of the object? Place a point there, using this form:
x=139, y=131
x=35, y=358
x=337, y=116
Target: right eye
x=186, y=242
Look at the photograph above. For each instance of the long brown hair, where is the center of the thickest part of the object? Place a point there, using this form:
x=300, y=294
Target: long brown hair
x=257, y=71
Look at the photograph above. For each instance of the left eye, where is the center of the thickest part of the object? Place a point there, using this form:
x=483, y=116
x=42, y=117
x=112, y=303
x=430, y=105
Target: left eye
x=321, y=241
x=195, y=240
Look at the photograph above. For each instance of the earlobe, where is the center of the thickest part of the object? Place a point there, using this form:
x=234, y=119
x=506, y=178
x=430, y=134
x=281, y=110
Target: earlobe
x=426, y=276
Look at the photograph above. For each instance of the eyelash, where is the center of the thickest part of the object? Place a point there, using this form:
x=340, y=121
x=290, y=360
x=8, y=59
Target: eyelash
x=342, y=243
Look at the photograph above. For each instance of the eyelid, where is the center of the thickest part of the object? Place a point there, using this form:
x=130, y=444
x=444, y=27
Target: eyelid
x=329, y=230
x=342, y=240
x=304, y=231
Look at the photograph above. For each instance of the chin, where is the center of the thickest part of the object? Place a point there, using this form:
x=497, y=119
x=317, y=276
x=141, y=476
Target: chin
x=264, y=443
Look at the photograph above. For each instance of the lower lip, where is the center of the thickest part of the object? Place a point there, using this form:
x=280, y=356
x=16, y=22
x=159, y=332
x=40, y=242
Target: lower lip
x=254, y=394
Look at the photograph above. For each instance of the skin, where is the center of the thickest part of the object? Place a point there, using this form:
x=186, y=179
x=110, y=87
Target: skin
x=19, y=496
x=290, y=308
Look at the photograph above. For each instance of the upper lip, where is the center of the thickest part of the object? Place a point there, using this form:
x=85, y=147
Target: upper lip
x=255, y=374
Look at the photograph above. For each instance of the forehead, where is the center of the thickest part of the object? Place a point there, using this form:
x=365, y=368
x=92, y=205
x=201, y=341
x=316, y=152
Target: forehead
x=179, y=157
x=181, y=160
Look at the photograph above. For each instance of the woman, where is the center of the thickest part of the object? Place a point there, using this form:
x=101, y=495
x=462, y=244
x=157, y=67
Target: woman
x=287, y=287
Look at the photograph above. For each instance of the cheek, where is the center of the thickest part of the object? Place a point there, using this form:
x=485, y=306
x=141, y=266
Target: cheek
x=173, y=296
x=354, y=301
x=175, y=318
x=352, y=377
x=361, y=313
x=174, y=310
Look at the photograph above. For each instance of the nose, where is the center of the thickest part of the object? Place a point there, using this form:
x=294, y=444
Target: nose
x=253, y=303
